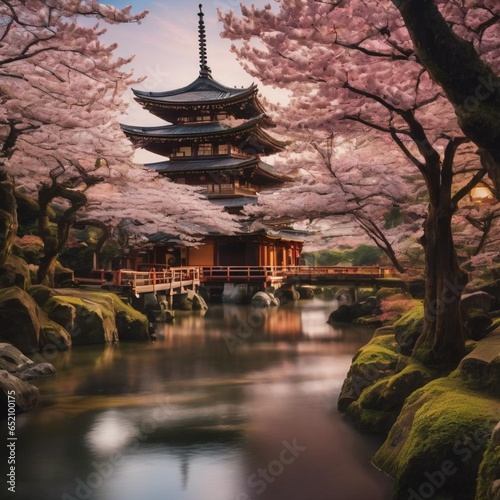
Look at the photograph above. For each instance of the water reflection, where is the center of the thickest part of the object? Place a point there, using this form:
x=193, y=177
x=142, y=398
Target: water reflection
x=188, y=418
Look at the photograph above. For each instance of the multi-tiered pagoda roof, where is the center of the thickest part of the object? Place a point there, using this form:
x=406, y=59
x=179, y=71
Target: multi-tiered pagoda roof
x=215, y=136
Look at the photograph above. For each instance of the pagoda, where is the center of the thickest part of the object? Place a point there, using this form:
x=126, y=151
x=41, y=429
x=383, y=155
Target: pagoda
x=215, y=136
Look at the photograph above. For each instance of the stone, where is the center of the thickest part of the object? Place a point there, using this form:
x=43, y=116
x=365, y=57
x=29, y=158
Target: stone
x=41, y=293
x=347, y=313
x=373, y=361
x=495, y=435
x=15, y=272
x=26, y=395
x=53, y=335
x=234, y=294
x=96, y=316
x=481, y=367
x=12, y=359
x=442, y=422
x=408, y=328
x=472, y=304
x=477, y=327
x=36, y=371
x=287, y=293
x=305, y=292
x=264, y=299
x=495, y=490
x=493, y=289
x=190, y=301
x=63, y=275
x=86, y=320
x=19, y=319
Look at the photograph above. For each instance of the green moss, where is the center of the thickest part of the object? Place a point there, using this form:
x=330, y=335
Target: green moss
x=375, y=360
x=408, y=328
x=15, y=272
x=489, y=471
x=370, y=420
x=130, y=323
x=19, y=319
x=87, y=320
x=411, y=322
x=379, y=405
x=442, y=426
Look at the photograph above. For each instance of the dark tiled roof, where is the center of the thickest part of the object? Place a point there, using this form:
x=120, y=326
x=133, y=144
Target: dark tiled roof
x=210, y=163
x=192, y=129
x=203, y=89
x=241, y=201
x=217, y=163
x=178, y=130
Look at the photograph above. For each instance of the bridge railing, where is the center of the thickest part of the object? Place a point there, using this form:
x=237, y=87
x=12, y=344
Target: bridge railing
x=239, y=273
x=259, y=273
x=125, y=277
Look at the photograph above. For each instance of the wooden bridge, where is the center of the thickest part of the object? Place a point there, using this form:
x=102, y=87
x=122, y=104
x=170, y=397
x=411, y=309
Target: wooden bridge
x=176, y=280
x=171, y=281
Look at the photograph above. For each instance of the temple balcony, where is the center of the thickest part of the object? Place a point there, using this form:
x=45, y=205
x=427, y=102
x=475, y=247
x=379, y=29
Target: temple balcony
x=227, y=190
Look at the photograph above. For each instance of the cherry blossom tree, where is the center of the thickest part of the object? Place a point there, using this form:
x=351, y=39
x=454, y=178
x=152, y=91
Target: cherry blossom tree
x=354, y=75
x=61, y=91
x=457, y=42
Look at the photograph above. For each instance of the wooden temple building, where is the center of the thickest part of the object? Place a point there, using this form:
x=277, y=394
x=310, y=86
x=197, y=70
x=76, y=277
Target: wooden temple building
x=215, y=136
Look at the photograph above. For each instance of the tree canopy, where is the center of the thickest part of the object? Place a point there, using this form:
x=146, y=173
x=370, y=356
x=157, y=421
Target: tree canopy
x=384, y=133
x=62, y=92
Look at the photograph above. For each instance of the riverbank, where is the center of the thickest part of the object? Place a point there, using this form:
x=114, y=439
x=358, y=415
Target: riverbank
x=442, y=428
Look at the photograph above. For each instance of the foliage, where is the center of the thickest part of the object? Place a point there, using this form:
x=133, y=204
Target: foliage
x=61, y=93
x=375, y=133
x=366, y=255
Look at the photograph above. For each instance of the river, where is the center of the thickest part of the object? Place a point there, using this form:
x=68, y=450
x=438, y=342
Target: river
x=236, y=404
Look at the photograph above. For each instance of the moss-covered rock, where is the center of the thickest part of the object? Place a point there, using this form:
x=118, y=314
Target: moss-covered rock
x=375, y=360
x=480, y=369
x=95, y=317
x=52, y=335
x=379, y=405
x=436, y=445
x=87, y=321
x=28, y=248
x=63, y=275
x=408, y=328
x=41, y=293
x=25, y=325
x=19, y=319
x=15, y=272
x=488, y=484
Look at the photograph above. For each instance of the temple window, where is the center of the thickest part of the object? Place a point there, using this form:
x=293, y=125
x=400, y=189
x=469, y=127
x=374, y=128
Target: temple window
x=182, y=151
x=205, y=149
x=223, y=149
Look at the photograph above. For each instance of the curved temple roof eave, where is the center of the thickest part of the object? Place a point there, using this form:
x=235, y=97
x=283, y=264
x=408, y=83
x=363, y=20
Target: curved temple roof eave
x=250, y=126
x=201, y=84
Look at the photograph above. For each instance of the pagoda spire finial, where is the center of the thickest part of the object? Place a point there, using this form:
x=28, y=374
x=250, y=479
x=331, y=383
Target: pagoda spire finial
x=204, y=69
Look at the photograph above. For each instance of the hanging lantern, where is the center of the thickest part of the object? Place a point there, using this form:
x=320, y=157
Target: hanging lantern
x=481, y=193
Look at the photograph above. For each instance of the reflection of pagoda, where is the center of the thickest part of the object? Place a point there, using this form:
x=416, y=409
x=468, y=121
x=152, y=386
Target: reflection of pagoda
x=215, y=139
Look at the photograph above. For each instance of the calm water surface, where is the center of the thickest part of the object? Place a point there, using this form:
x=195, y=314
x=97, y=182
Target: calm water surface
x=239, y=404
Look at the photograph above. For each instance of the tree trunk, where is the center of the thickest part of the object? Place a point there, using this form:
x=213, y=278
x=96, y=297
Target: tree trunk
x=470, y=85
x=442, y=343
x=53, y=244
x=8, y=217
